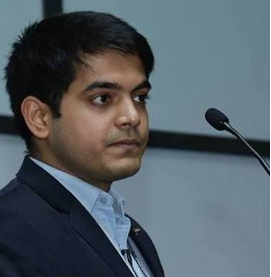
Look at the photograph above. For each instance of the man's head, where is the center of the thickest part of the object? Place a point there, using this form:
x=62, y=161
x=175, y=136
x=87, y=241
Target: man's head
x=77, y=84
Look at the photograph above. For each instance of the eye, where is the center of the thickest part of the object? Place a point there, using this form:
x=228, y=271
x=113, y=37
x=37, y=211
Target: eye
x=142, y=98
x=101, y=99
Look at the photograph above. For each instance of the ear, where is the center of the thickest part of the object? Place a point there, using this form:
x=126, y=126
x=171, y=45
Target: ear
x=37, y=116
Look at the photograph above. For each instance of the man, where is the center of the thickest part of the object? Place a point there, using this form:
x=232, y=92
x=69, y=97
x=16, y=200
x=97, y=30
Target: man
x=78, y=85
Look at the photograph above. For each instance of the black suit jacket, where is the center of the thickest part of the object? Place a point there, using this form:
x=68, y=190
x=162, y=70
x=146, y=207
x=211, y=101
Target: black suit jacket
x=45, y=231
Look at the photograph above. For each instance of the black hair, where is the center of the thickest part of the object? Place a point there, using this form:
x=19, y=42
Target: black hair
x=45, y=56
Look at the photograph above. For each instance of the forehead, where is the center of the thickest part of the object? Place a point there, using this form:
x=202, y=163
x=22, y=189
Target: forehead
x=109, y=66
x=110, y=62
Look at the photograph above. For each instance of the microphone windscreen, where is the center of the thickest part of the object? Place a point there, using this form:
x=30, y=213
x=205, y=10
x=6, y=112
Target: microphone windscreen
x=216, y=118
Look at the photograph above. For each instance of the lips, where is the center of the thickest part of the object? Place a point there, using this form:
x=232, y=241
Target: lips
x=126, y=144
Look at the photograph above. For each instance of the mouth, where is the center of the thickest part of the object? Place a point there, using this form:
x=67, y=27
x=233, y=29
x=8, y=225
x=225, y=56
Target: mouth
x=126, y=144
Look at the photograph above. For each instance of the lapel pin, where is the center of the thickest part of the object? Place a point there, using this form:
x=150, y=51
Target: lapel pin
x=136, y=230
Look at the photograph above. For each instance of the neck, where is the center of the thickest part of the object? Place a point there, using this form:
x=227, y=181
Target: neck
x=103, y=185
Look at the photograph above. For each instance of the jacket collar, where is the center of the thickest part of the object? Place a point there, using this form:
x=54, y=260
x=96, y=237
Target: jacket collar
x=45, y=185
x=80, y=220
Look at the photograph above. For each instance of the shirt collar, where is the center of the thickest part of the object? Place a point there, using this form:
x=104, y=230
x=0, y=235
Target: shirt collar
x=84, y=192
x=119, y=201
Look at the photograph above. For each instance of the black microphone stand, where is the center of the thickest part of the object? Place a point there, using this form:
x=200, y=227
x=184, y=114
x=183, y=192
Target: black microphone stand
x=230, y=129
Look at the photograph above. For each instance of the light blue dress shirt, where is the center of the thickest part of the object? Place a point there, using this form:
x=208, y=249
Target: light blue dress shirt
x=107, y=208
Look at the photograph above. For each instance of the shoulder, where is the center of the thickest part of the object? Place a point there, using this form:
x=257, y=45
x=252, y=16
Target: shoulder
x=18, y=206
x=23, y=212
x=18, y=198
x=18, y=233
x=26, y=232
x=15, y=196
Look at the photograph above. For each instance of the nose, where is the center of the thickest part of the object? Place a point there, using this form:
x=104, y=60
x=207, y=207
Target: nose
x=128, y=116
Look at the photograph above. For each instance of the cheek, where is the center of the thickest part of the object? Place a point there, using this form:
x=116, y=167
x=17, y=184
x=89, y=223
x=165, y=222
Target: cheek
x=86, y=123
x=144, y=121
x=88, y=132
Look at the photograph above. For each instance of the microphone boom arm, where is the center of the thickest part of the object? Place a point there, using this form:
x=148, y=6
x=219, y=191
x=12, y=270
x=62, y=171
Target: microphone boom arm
x=230, y=129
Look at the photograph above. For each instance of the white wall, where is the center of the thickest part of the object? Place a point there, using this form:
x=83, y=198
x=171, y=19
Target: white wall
x=207, y=213
x=11, y=156
x=15, y=15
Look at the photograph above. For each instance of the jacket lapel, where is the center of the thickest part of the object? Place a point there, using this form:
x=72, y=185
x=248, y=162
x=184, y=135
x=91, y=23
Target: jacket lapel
x=146, y=248
x=80, y=220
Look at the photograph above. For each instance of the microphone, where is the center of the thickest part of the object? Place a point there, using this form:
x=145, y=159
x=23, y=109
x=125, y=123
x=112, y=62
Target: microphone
x=220, y=122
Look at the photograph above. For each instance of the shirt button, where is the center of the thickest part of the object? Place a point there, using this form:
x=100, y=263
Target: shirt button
x=103, y=200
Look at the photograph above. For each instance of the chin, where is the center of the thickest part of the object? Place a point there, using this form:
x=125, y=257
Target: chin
x=129, y=174
x=125, y=171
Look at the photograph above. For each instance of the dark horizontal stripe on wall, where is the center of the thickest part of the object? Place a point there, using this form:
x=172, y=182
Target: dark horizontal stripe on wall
x=204, y=143
x=179, y=141
x=7, y=125
x=51, y=7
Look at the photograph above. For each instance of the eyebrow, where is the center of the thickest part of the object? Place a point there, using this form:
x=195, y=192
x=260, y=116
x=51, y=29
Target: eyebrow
x=115, y=86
